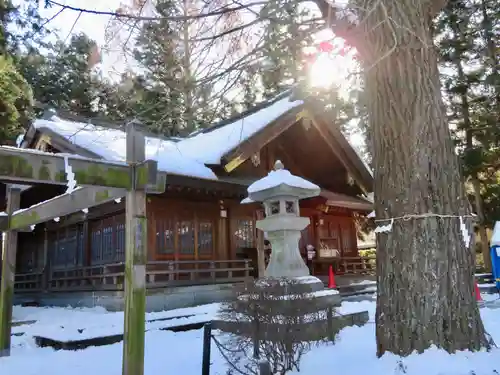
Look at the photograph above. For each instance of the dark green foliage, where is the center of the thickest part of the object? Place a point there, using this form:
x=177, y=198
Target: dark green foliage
x=15, y=101
x=171, y=98
x=63, y=78
x=468, y=38
x=19, y=28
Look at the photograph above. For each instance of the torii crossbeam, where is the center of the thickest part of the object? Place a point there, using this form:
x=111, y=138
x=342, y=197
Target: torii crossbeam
x=99, y=182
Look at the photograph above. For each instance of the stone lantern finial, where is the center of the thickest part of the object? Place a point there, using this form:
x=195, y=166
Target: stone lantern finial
x=278, y=165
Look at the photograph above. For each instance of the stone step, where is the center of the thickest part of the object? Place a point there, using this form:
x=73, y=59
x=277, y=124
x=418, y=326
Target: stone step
x=106, y=340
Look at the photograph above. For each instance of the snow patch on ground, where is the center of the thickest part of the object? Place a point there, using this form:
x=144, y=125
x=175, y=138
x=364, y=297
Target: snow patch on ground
x=169, y=352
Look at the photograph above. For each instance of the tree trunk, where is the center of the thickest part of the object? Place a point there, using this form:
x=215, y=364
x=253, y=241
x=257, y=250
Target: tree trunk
x=425, y=272
x=187, y=74
x=485, y=248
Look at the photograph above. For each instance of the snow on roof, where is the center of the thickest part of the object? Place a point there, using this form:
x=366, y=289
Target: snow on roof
x=186, y=157
x=280, y=176
x=209, y=147
x=110, y=145
x=247, y=200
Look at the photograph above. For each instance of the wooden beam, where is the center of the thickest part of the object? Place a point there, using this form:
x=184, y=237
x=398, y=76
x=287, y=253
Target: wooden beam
x=97, y=212
x=234, y=158
x=339, y=152
x=34, y=167
x=223, y=184
x=62, y=205
x=289, y=159
x=364, y=176
x=135, y=261
x=9, y=249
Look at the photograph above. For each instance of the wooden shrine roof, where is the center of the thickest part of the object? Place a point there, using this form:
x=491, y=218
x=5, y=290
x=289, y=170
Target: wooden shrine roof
x=196, y=157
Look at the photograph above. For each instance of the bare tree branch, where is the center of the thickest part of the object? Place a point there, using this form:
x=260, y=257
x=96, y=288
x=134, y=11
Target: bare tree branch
x=225, y=10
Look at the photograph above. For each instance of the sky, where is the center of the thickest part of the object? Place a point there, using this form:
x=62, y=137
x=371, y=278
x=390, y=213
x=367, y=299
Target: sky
x=71, y=22
x=92, y=25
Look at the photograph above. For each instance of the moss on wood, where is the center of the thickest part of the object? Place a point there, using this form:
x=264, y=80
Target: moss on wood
x=24, y=219
x=98, y=175
x=15, y=166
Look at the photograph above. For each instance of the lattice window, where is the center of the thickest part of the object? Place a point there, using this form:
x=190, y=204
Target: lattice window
x=66, y=247
x=28, y=256
x=108, y=240
x=245, y=233
x=96, y=246
x=205, y=237
x=346, y=239
x=52, y=247
x=108, y=248
x=186, y=237
x=120, y=242
x=165, y=236
x=71, y=246
x=334, y=229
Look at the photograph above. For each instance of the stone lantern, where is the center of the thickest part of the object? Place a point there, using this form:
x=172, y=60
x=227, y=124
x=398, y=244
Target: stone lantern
x=280, y=192
x=287, y=305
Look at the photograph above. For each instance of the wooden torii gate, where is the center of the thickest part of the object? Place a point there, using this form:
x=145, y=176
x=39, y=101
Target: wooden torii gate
x=99, y=182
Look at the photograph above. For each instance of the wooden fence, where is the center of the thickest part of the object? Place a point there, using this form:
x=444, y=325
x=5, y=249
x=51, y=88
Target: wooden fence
x=346, y=265
x=159, y=274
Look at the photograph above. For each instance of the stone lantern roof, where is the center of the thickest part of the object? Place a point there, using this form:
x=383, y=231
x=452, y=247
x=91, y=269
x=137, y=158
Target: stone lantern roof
x=280, y=182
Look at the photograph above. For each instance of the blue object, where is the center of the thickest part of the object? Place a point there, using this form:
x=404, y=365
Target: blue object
x=495, y=254
x=495, y=264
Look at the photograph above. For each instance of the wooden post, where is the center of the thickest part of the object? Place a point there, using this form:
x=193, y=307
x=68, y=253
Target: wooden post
x=45, y=265
x=135, y=260
x=329, y=323
x=207, y=341
x=255, y=338
x=9, y=249
x=264, y=368
x=222, y=252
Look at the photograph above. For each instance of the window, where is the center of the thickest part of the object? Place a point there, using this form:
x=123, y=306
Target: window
x=274, y=208
x=205, y=237
x=107, y=243
x=107, y=240
x=186, y=237
x=346, y=239
x=165, y=233
x=290, y=207
x=96, y=246
x=30, y=256
x=66, y=247
x=120, y=242
x=245, y=233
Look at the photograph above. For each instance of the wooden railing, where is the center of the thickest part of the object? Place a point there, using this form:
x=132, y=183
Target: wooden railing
x=28, y=281
x=347, y=265
x=358, y=265
x=165, y=273
x=158, y=274
x=99, y=277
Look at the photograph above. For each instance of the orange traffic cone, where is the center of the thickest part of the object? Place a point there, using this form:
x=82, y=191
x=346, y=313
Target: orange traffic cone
x=478, y=294
x=331, y=279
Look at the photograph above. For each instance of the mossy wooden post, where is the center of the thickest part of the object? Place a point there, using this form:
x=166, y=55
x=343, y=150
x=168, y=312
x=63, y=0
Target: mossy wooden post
x=135, y=258
x=9, y=249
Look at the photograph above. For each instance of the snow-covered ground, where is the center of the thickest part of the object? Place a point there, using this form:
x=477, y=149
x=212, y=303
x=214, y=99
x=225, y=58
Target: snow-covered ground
x=180, y=353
